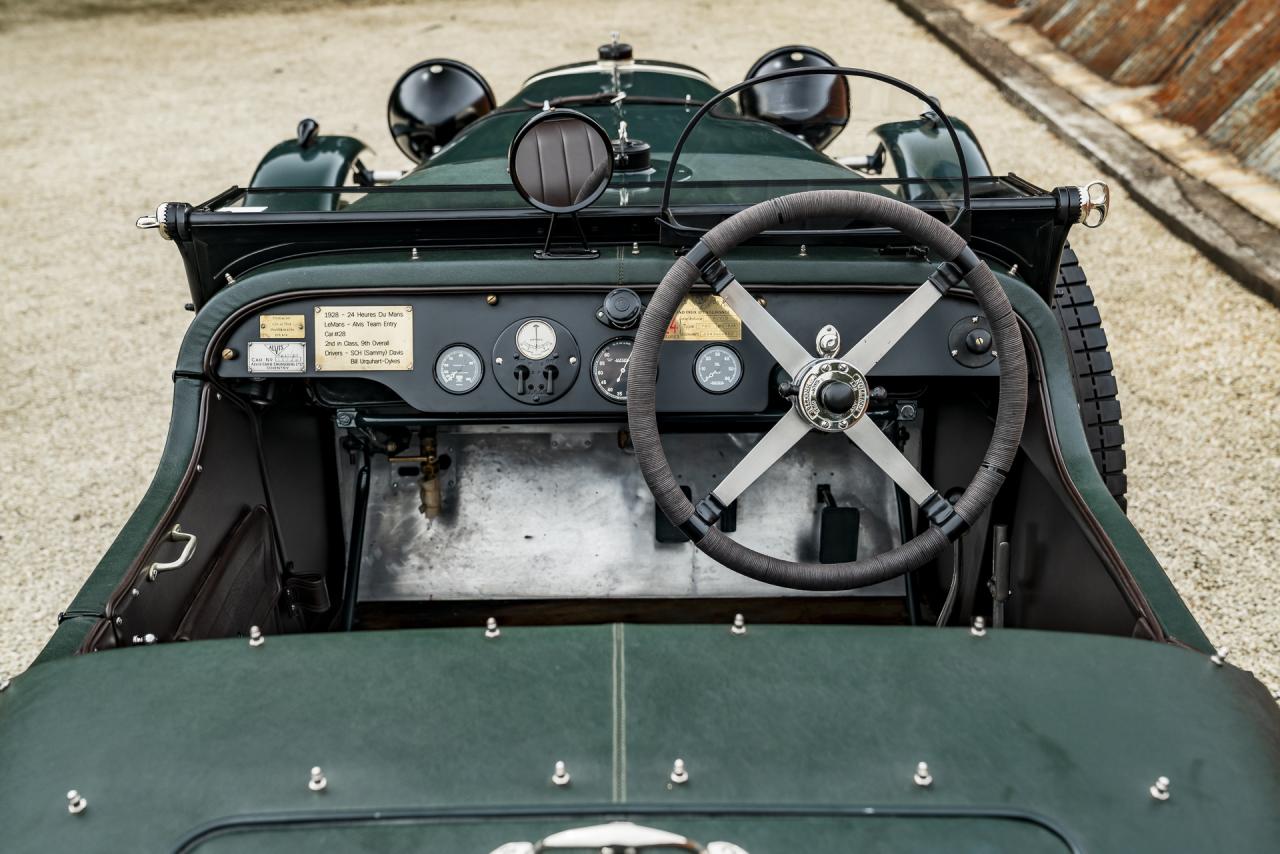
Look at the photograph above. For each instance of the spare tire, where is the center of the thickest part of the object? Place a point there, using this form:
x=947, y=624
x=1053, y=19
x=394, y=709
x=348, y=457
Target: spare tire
x=1081, y=323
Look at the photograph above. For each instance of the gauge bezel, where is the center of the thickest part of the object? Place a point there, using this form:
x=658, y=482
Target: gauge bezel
x=630, y=339
x=555, y=338
x=435, y=367
x=698, y=357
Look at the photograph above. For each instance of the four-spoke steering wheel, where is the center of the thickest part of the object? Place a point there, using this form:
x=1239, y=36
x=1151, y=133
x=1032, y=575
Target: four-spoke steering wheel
x=830, y=391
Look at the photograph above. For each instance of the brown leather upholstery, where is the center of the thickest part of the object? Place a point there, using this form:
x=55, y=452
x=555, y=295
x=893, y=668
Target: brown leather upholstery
x=561, y=162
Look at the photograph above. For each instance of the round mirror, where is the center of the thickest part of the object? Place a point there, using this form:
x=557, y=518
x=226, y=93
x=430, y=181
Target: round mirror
x=561, y=161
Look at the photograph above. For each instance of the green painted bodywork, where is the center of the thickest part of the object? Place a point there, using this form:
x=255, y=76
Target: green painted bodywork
x=168, y=739
x=325, y=163
x=796, y=737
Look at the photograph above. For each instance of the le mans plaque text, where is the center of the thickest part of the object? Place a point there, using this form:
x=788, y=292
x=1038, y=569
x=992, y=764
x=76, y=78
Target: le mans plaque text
x=364, y=337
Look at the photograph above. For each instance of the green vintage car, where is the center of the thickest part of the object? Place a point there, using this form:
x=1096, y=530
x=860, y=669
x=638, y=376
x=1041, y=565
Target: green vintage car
x=505, y=506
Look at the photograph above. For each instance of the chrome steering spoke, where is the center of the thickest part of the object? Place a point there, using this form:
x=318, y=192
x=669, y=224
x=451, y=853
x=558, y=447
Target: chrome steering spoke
x=789, y=430
x=877, y=446
x=777, y=340
x=868, y=352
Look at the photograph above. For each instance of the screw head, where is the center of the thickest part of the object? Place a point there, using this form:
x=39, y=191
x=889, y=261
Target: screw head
x=573, y=360
x=923, y=778
x=76, y=802
x=561, y=776
x=318, y=781
x=256, y=637
x=491, y=299
x=1160, y=791
x=762, y=301
x=491, y=629
x=679, y=773
x=739, y=626
x=228, y=354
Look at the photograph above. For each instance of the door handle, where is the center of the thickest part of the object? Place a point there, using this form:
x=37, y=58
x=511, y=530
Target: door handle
x=177, y=535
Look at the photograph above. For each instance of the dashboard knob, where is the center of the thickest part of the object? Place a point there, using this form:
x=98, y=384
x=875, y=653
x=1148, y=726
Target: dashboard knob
x=978, y=341
x=621, y=308
x=836, y=397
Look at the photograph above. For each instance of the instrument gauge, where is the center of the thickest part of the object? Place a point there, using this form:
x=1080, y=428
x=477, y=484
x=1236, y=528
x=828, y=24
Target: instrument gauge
x=717, y=368
x=535, y=339
x=459, y=369
x=609, y=369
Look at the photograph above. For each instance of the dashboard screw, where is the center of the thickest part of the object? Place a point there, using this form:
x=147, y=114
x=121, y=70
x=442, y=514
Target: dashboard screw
x=318, y=782
x=573, y=360
x=228, y=354
x=1160, y=791
x=923, y=778
x=491, y=299
x=679, y=774
x=76, y=802
x=739, y=626
x=763, y=302
x=491, y=629
x=561, y=776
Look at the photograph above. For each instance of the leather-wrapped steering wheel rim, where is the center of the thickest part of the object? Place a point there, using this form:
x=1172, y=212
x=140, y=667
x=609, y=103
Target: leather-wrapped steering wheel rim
x=705, y=262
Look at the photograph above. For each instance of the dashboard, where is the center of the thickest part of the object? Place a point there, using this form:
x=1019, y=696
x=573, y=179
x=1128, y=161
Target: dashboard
x=514, y=352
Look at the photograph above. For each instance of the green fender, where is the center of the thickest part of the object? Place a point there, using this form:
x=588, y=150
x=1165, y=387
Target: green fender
x=325, y=162
x=922, y=148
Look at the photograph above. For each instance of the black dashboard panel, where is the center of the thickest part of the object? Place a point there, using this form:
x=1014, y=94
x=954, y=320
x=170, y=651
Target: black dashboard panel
x=484, y=321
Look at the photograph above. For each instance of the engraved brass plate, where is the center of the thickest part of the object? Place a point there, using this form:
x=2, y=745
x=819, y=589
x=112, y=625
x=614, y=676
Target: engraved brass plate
x=282, y=326
x=364, y=338
x=705, y=317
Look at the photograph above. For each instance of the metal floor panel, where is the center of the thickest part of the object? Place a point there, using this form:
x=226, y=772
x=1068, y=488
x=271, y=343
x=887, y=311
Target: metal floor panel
x=566, y=514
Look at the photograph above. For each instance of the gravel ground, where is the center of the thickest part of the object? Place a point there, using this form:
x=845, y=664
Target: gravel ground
x=104, y=116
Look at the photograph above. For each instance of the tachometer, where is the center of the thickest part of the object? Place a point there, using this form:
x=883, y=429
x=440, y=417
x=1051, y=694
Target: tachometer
x=459, y=369
x=609, y=369
x=717, y=368
x=535, y=339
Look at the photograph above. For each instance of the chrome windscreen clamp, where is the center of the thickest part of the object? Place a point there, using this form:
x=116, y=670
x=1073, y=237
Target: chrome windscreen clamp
x=158, y=221
x=1095, y=203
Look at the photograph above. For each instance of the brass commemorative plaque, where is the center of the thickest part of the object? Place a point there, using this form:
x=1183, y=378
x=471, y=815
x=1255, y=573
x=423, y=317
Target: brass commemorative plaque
x=282, y=326
x=705, y=317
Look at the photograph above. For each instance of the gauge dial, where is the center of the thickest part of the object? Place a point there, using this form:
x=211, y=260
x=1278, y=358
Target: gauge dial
x=535, y=339
x=718, y=368
x=459, y=369
x=609, y=369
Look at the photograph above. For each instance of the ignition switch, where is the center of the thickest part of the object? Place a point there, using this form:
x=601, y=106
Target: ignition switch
x=621, y=309
x=970, y=342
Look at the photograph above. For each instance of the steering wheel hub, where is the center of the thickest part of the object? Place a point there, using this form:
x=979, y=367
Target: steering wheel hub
x=831, y=395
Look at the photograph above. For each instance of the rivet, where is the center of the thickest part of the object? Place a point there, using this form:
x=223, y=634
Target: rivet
x=255, y=636
x=679, y=774
x=1219, y=657
x=491, y=299
x=561, y=775
x=635, y=248
x=228, y=354
x=979, y=628
x=76, y=802
x=923, y=778
x=318, y=782
x=573, y=360
x=199, y=468
x=1160, y=791
x=739, y=626
x=491, y=629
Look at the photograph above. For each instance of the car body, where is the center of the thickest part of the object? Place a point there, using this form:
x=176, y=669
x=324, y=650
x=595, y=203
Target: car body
x=430, y=605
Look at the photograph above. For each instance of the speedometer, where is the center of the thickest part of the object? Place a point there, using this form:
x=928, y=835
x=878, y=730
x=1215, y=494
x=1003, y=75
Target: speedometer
x=459, y=369
x=609, y=369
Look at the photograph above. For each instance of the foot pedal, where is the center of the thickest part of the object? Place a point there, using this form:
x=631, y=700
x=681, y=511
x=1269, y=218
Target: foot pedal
x=837, y=530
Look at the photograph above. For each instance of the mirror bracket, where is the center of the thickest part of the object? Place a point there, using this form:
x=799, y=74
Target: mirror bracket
x=570, y=253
